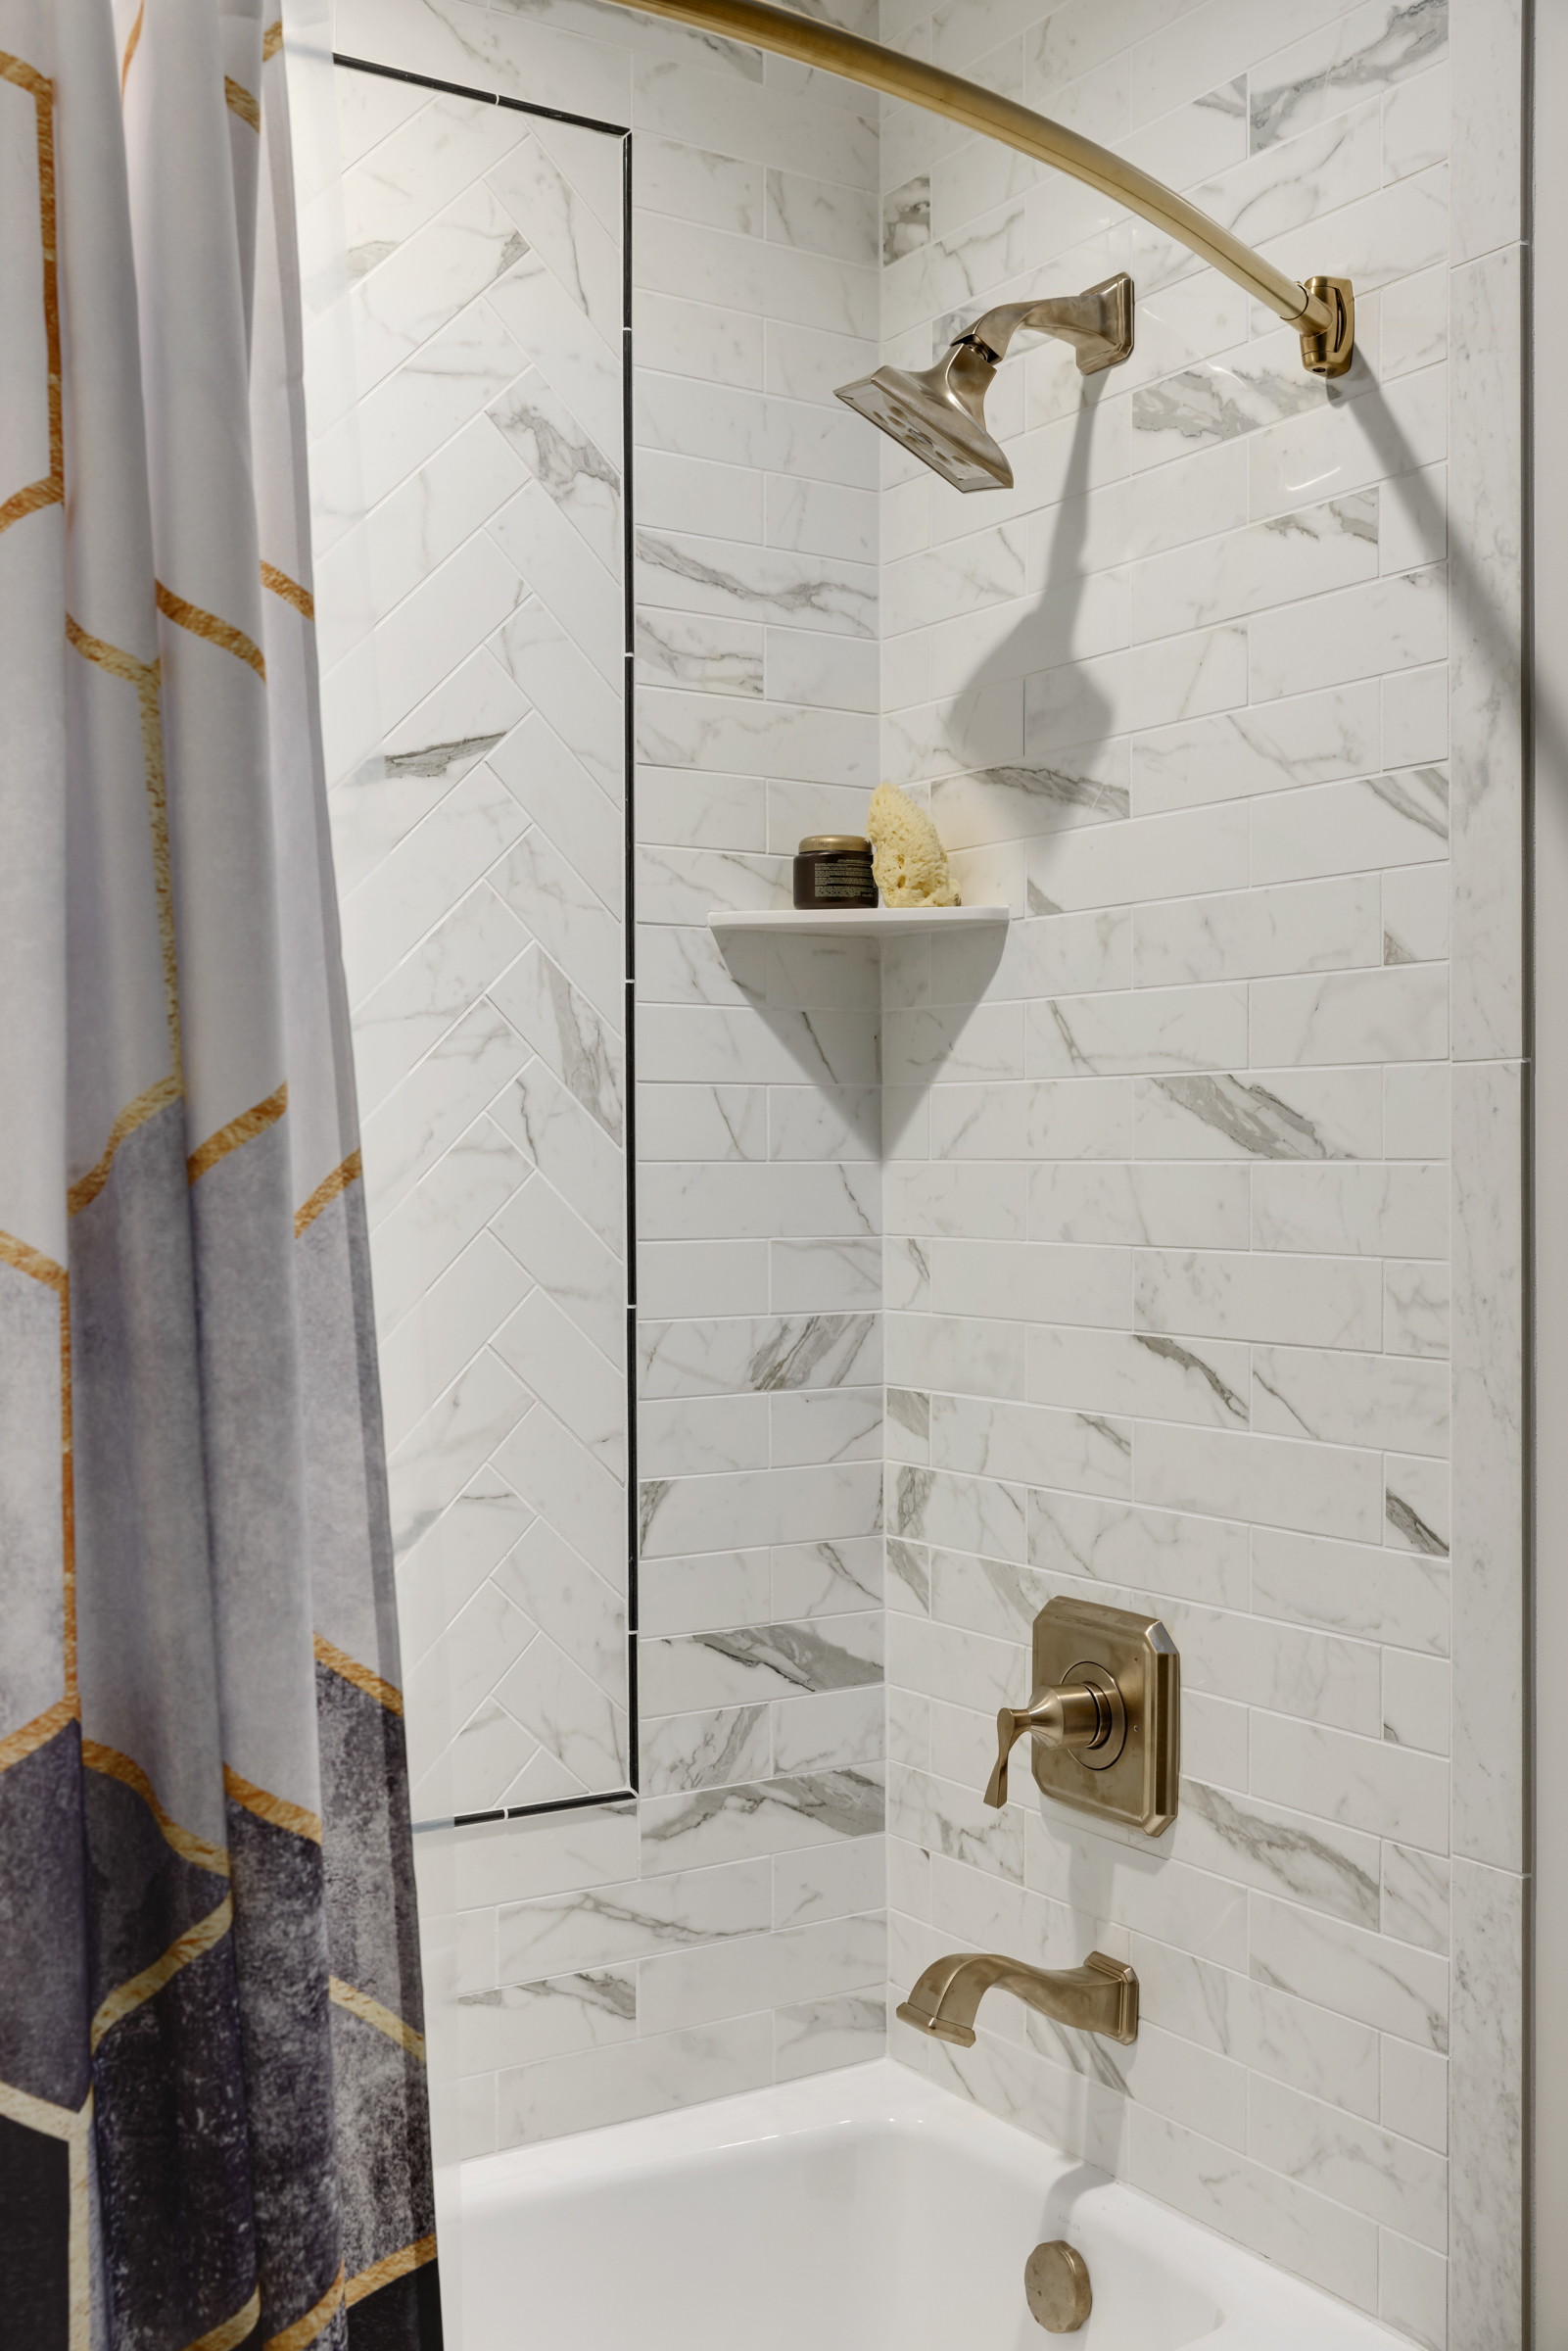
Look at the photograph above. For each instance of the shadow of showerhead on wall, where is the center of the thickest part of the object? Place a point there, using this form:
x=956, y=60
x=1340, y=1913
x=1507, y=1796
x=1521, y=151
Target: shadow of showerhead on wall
x=939, y=414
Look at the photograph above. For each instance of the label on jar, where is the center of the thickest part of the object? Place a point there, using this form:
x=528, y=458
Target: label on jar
x=842, y=877
x=828, y=881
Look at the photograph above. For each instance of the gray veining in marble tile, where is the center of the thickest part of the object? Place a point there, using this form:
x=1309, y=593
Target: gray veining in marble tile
x=714, y=1749
x=761, y=1356
x=768, y=1816
x=1411, y=37
x=1170, y=1351
x=802, y=598
x=1417, y=1897
x=1247, y=1115
x=613, y=1994
x=1285, y=1852
x=1407, y=1523
x=451, y=762
x=907, y=217
x=801, y=1656
x=1033, y=797
x=911, y=1410
x=827, y=1578
x=909, y=1566
x=1219, y=403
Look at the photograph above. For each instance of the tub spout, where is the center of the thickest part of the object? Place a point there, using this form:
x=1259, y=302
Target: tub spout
x=1100, y=1997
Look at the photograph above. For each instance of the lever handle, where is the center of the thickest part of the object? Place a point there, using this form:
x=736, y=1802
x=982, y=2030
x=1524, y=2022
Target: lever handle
x=1073, y=1715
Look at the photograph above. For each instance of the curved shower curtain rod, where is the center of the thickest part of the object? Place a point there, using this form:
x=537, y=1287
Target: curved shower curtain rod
x=1322, y=310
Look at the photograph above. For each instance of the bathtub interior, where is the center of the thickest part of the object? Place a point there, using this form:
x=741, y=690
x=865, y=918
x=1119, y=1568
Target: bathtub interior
x=859, y=2213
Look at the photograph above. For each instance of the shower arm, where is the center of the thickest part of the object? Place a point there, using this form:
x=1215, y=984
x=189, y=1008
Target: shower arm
x=1097, y=324
x=1322, y=310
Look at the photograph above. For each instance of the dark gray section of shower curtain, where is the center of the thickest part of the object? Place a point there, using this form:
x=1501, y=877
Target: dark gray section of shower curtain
x=253, y=2129
x=169, y=2114
x=43, y=1926
x=252, y=1433
x=372, y=1917
x=43, y=2028
x=284, y=2010
x=170, y=2105
x=35, y=2235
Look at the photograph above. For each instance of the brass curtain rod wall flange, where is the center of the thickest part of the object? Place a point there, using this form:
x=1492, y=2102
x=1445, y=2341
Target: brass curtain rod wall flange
x=1321, y=311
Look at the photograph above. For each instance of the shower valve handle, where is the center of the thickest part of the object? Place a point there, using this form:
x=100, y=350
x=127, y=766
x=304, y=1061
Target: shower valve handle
x=1080, y=1715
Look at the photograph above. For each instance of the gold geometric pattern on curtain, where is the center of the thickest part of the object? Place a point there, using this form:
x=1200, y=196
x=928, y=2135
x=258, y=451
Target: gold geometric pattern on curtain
x=213, y=2128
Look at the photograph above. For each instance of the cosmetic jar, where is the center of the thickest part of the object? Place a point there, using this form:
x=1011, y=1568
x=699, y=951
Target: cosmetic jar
x=834, y=870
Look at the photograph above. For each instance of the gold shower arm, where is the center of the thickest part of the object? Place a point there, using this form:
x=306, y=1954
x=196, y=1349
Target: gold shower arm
x=1321, y=311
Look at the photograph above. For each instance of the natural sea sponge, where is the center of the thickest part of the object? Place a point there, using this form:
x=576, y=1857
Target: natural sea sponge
x=908, y=859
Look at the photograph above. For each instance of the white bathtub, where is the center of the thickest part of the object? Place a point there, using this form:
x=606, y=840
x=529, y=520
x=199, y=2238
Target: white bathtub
x=859, y=2210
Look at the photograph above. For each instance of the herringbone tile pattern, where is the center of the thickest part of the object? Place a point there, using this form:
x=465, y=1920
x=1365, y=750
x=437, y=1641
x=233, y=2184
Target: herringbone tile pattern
x=476, y=730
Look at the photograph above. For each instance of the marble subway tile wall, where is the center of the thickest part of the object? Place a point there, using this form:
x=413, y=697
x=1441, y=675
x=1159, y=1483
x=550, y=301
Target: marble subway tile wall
x=729, y=1927
x=1169, y=1238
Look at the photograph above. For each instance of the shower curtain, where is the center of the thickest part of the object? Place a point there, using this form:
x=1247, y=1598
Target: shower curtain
x=213, y=2111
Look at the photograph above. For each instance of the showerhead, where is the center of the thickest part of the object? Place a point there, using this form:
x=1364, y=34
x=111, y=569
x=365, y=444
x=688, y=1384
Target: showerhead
x=939, y=414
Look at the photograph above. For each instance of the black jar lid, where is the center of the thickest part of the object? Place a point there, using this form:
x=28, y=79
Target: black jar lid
x=833, y=844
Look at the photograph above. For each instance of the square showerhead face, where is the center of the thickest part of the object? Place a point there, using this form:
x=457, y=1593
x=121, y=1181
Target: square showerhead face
x=933, y=430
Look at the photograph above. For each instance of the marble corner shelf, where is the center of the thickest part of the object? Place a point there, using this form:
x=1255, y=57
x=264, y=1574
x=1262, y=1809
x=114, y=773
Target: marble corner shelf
x=866, y=922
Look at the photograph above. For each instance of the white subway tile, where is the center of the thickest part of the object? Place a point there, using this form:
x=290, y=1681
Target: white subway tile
x=1417, y=1897
x=1257, y=933
x=1284, y=2039
x=1326, y=829
x=1415, y=915
x=634, y=2078
x=1349, y=1588
x=1244, y=2199
x=1415, y=1112
x=1416, y=1700
x=1317, y=1489
x=1415, y=1308
x=1412, y=2289
x=1341, y=1966
x=1083, y=1451
x=1414, y=323
x=1415, y=715
x=956, y=1352
x=1392, y=624
x=1395, y=1015
x=1140, y=1374
x=1169, y=1204
x=1146, y=1551
x=1373, y=2172
x=1418, y=1514
x=1149, y=1029
x=1275, y=748
x=1376, y=1211
x=1346, y=445
x=970, y=1513
x=1146, y=857
x=832, y=1881
x=1368, y=1784
x=1415, y=2094
x=1343, y=1399
x=1269, y=1113
x=1306, y=552
x=1328, y=1303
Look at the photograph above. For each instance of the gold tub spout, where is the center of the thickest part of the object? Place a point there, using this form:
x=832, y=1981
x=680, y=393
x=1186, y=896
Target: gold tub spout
x=1100, y=1997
